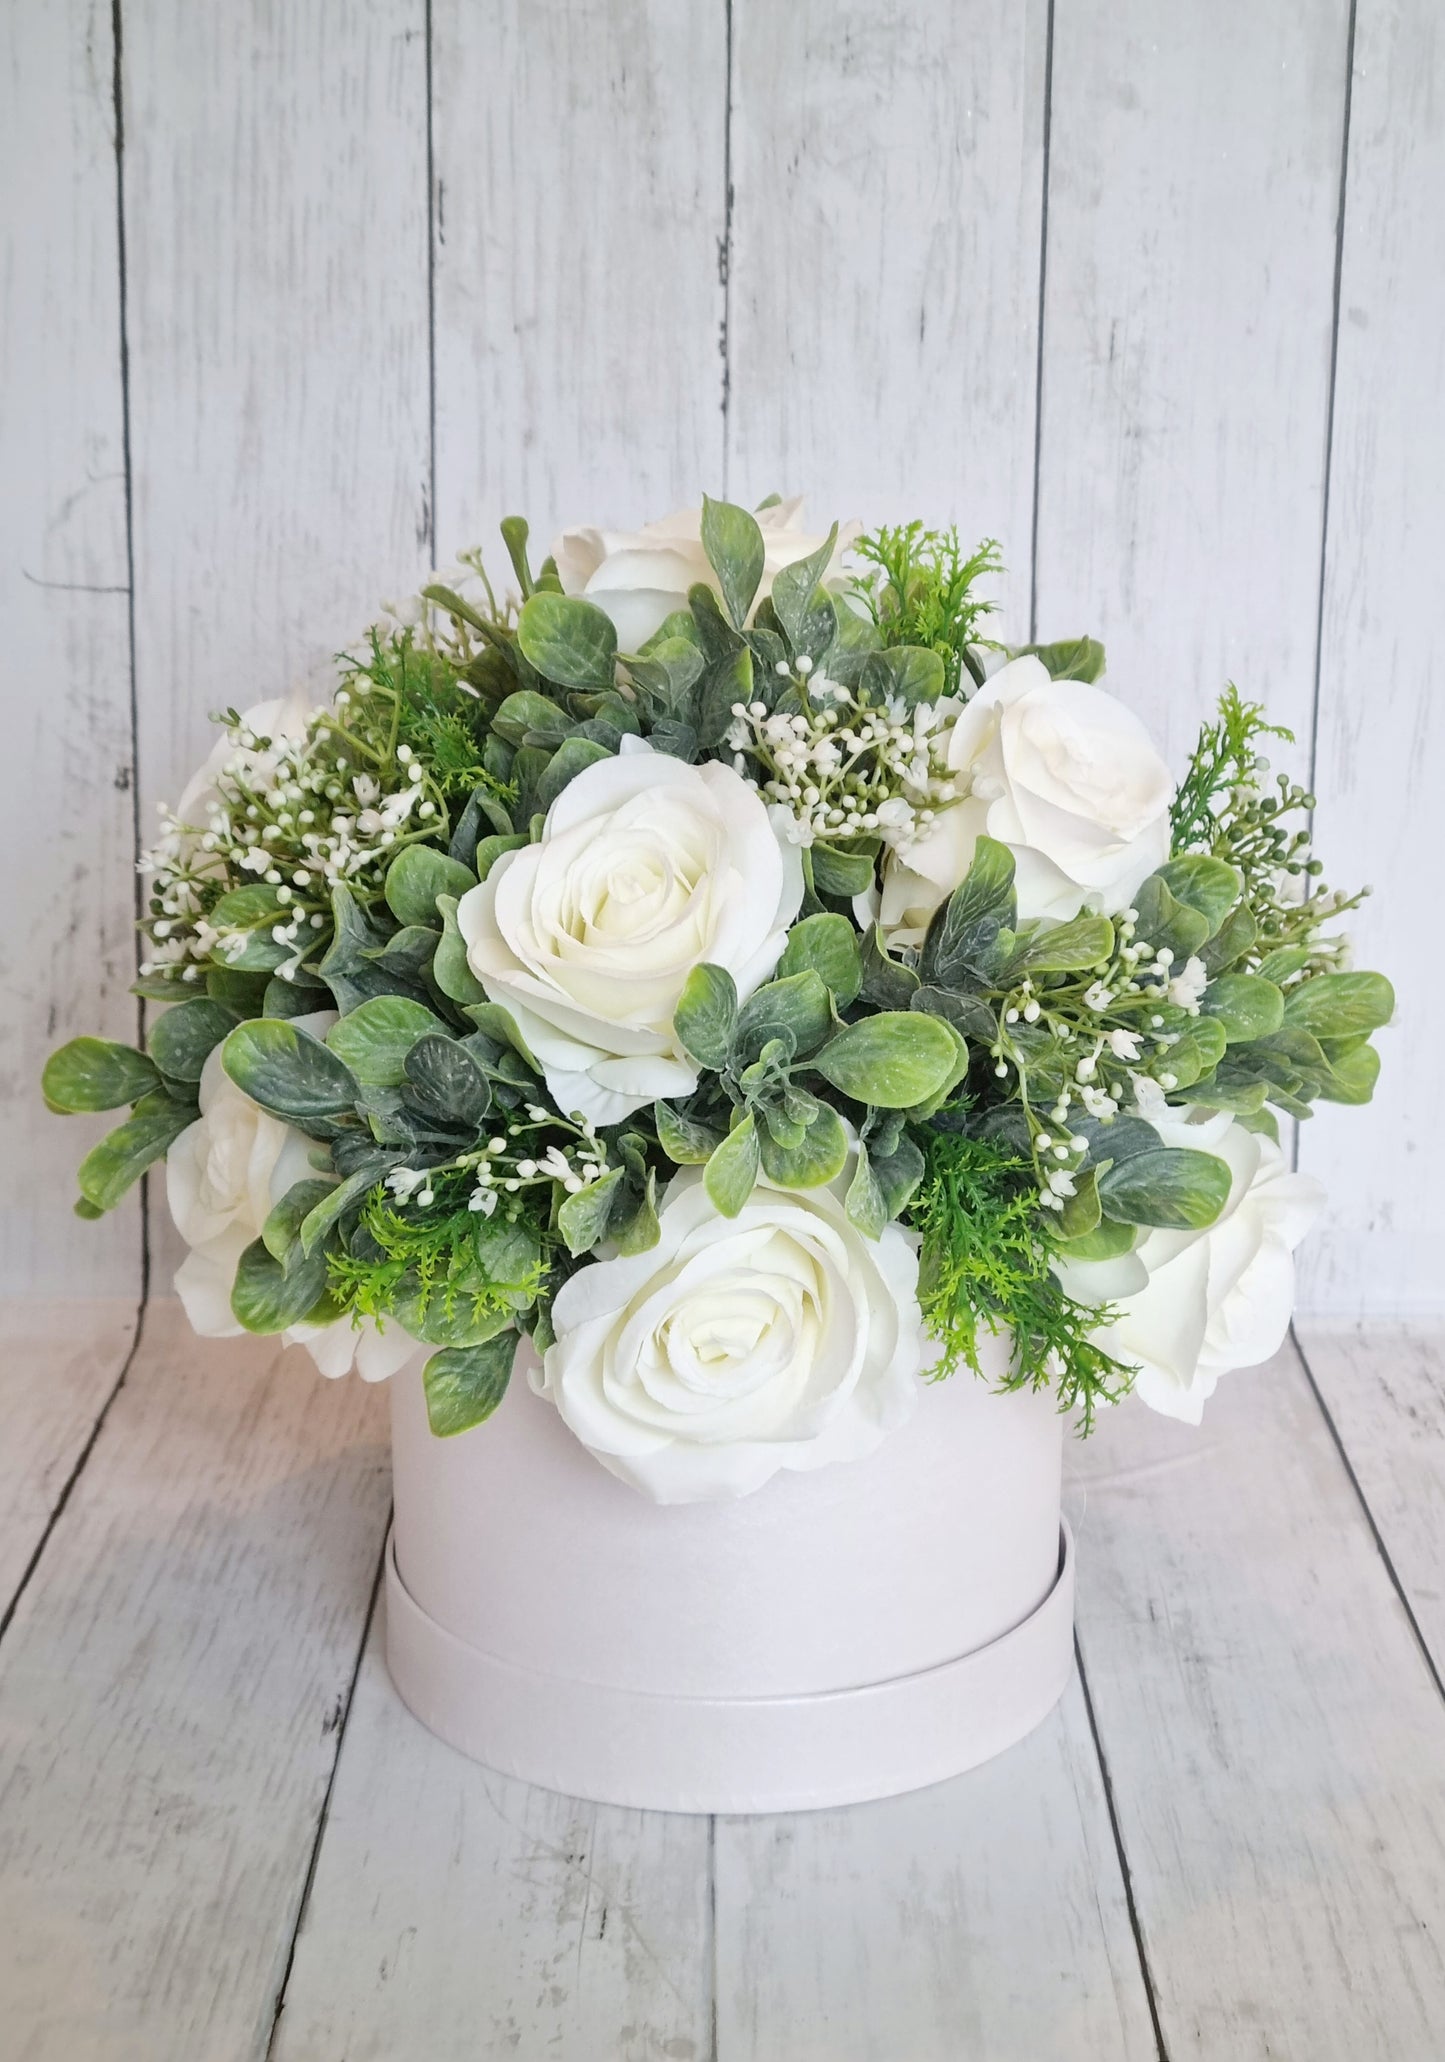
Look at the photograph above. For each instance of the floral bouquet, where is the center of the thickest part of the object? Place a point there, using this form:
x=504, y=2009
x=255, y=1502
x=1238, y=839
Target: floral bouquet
x=720, y=962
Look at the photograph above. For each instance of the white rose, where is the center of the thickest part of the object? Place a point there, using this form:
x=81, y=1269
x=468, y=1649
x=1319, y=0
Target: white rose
x=639, y=577
x=645, y=868
x=1194, y=1304
x=223, y=1175
x=1062, y=774
x=779, y=1338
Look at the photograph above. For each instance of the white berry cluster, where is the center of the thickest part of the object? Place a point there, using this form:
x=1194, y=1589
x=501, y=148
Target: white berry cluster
x=511, y=1161
x=844, y=766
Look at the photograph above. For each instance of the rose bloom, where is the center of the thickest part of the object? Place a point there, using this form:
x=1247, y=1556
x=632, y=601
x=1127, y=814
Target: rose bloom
x=639, y=577
x=735, y=1347
x=1194, y=1304
x=223, y=1176
x=645, y=868
x=1062, y=774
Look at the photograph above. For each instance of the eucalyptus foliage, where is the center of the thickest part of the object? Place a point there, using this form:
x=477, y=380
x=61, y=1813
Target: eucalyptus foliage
x=987, y=1082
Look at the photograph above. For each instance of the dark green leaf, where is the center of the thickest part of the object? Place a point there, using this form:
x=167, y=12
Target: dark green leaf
x=582, y=1219
x=887, y=983
x=795, y=1008
x=288, y=1072
x=794, y=589
x=734, y=545
x=1209, y=886
x=183, y=1039
x=1074, y=658
x=450, y=969
x=282, y=1227
x=565, y=764
x=840, y=873
x=447, y=1082
x=685, y=1142
x=907, y=673
x=1246, y=1005
x=267, y=1297
x=1175, y=1187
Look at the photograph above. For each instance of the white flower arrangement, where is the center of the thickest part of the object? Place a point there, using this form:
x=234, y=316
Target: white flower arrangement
x=723, y=965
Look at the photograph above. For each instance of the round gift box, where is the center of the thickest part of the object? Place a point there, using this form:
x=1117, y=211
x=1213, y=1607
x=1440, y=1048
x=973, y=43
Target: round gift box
x=843, y=1634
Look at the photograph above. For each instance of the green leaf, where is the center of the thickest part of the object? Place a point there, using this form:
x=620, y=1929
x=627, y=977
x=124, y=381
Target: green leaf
x=582, y=1219
x=1231, y=941
x=897, y=1173
x=283, y=1225
x=184, y=1038
x=728, y=679
x=1082, y=1210
x=416, y=877
x=1070, y=948
x=794, y=589
x=1073, y=658
x=865, y=1202
x=734, y=545
x=887, y=983
x=514, y=531
x=287, y=1071
x=893, y=1060
x=685, y=1142
x=327, y=1209
x=568, y=640
x=267, y=1297
x=819, y=1157
x=565, y=764
x=375, y=1039
x=108, y=1169
x=935, y=1100
x=290, y=999
x=1208, y=886
x=499, y=1024
x=1277, y=966
x=826, y=945
x=1352, y=1078
x=984, y=896
x=1165, y=920
x=243, y=993
x=909, y=673
x=1174, y=1187
x=839, y=873
x=450, y=969
x=94, y=1074
x=1337, y=1005
x=529, y=718
x=251, y=913
x=442, y=1075
x=490, y=850
x=464, y=1384
x=639, y=1230
x=1109, y=1238
x=1246, y=1005
x=706, y=1015
x=796, y=1008
x=732, y=1170
x=426, y=1315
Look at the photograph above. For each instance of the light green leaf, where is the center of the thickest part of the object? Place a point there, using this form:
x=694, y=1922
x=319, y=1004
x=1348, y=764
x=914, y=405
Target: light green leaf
x=732, y=1171
x=450, y=969
x=94, y=1074
x=582, y=1219
x=1070, y=948
x=1246, y=1005
x=734, y=545
x=843, y=874
x=1337, y=1005
x=1174, y=1187
x=795, y=1008
x=464, y=1384
x=819, y=1157
x=529, y=718
x=1109, y=1238
x=568, y=640
x=416, y=877
x=108, y=1169
x=685, y=1142
x=251, y=913
x=1352, y=1078
x=909, y=673
x=490, y=849
x=1209, y=886
x=499, y=1024
x=865, y=1202
x=828, y=946
x=287, y=1071
x=1082, y=1210
x=376, y=1038
x=1165, y=920
x=893, y=1060
x=706, y=1015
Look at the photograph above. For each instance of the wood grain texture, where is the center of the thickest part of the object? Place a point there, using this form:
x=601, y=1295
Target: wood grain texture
x=170, y=1692
x=62, y=1359
x=1275, y=1741
x=457, y=1914
x=276, y=212
x=1193, y=194
x=985, y=1916
x=887, y=167
x=66, y=840
x=1384, y=1388
x=579, y=155
x=1380, y=758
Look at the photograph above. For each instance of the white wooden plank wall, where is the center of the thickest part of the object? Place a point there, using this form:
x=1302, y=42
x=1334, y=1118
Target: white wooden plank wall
x=665, y=246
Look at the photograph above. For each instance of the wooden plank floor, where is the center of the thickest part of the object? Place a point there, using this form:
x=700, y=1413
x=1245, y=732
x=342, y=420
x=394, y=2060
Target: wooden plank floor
x=221, y=1835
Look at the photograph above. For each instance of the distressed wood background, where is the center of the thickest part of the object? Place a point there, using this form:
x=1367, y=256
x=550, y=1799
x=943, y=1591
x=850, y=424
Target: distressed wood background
x=296, y=298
